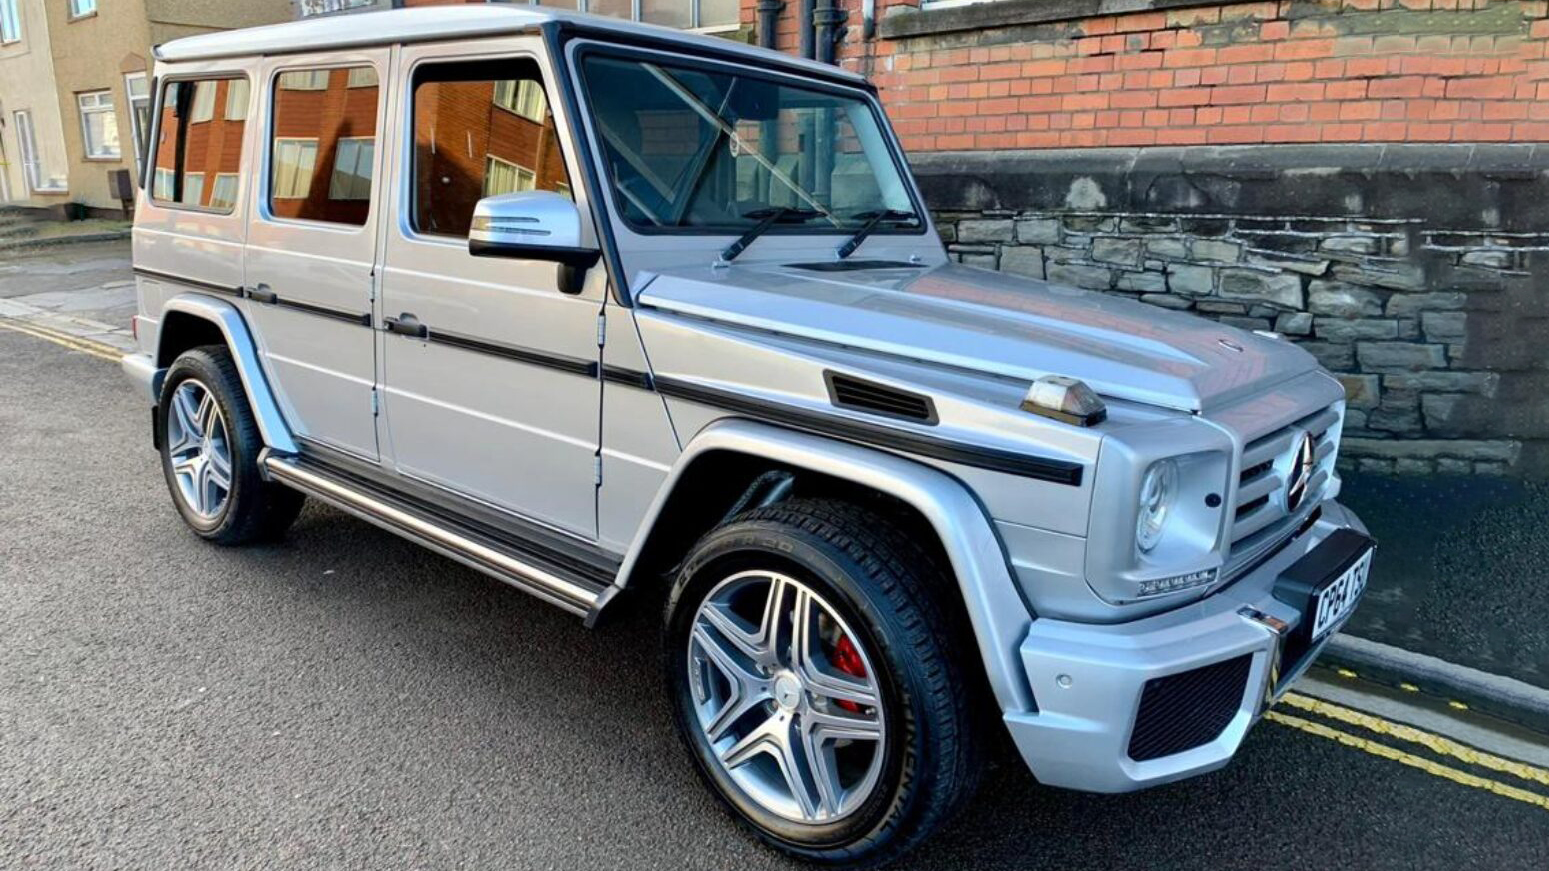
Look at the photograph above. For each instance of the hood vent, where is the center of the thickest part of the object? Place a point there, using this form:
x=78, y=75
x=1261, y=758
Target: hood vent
x=856, y=394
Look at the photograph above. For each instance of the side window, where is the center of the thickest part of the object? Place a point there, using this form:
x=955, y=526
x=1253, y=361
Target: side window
x=480, y=128
x=323, y=144
x=195, y=144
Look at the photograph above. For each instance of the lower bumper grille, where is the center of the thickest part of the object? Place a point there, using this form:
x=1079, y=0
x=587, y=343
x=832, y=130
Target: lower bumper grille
x=1182, y=711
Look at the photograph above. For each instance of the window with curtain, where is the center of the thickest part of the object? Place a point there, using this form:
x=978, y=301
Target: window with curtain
x=10, y=21
x=82, y=7
x=294, y=162
x=352, y=169
x=99, y=125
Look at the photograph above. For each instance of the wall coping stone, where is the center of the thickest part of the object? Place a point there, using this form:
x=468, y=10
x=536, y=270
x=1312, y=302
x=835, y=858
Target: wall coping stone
x=909, y=22
x=1436, y=184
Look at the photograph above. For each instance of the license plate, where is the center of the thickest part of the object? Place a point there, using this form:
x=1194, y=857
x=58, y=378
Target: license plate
x=1336, y=601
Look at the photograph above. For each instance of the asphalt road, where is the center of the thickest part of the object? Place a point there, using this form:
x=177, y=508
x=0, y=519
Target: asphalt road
x=344, y=699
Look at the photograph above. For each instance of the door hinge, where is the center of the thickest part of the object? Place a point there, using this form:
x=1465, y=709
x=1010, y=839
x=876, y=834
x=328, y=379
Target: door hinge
x=597, y=470
x=376, y=403
x=602, y=330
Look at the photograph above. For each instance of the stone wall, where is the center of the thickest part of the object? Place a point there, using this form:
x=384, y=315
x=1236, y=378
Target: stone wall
x=1414, y=273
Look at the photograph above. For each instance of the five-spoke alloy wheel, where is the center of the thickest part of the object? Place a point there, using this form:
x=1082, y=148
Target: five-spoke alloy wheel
x=786, y=698
x=807, y=655
x=209, y=452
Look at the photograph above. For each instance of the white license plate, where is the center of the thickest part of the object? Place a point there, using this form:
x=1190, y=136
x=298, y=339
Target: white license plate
x=1338, y=599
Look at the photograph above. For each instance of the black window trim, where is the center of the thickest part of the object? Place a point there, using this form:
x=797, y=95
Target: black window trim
x=865, y=95
x=159, y=87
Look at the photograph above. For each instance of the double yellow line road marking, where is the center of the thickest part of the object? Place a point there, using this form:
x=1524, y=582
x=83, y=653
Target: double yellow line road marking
x=1436, y=744
x=91, y=347
x=1306, y=705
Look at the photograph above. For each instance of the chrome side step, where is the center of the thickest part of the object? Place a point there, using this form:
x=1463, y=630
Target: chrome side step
x=467, y=546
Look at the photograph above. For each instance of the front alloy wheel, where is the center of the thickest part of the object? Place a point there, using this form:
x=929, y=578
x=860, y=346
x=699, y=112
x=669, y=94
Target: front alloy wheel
x=786, y=697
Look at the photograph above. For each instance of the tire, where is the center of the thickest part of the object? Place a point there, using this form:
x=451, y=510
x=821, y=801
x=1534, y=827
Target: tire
x=872, y=581
x=251, y=508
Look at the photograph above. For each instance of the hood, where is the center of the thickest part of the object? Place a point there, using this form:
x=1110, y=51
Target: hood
x=994, y=323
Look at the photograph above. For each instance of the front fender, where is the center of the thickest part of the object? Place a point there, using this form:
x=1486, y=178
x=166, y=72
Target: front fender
x=239, y=340
x=998, y=614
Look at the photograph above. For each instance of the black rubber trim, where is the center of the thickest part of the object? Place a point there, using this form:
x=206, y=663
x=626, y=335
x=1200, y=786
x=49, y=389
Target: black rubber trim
x=358, y=319
x=222, y=289
x=629, y=377
x=879, y=435
x=573, y=365
x=529, y=541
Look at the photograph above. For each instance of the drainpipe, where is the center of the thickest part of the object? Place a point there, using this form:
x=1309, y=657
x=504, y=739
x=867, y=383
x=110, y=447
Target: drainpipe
x=826, y=21
x=768, y=23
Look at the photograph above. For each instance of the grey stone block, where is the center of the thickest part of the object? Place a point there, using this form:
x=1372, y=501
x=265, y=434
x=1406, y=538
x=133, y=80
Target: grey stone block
x=1400, y=356
x=984, y=261
x=1143, y=282
x=1331, y=356
x=1174, y=249
x=1504, y=451
x=1449, y=466
x=1361, y=391
x=1191, y=280
x=1446, y=381
x=1489, y=259
x=1342, y=330
x=1022, y=260
x=1444, y=326
x=1413, y=467
x=1376, y=466
x=1064, y=253
x=1343, y=300
x=1438, y=409
x=1400, y=277
x=1281, y=290
x=1244, y=323
x=986, y=231
x=1167, y=300
x=1038, y=231
x=1294, y=323
x=1079, y=275
x=1288, y=262
x=1349, y=244
x=1400, y=421
x=1125, y=252
x=1411, y=304
x=1216, y=250
x=1090, y=224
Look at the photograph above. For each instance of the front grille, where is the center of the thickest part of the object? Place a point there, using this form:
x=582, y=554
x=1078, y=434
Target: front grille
x=1186, y=710
x=1260, y=511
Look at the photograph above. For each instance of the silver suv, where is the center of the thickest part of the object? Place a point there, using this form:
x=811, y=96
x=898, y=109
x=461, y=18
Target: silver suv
x=621, y=315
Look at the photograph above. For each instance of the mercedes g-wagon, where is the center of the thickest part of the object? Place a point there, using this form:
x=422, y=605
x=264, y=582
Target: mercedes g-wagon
x=598, y=308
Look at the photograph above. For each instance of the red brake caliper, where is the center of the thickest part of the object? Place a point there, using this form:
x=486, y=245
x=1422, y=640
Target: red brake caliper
x=848, y=660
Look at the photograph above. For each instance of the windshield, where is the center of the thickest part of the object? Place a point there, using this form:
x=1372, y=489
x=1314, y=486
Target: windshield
x=692, y=149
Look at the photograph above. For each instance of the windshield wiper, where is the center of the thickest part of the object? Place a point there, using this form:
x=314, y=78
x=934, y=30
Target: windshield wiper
x=873, y=220
x=766, y=218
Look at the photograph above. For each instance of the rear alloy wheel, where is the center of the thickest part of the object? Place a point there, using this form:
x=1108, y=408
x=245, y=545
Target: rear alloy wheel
x=209, y=453
x=813, y=681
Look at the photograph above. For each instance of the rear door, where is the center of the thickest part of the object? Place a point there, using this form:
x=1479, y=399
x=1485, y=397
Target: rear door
x=312, y=243
x=499, y=400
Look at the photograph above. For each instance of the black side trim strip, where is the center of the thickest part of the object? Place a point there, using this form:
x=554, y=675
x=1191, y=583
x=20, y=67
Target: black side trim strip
x=533, y=542
x=978, y=456
x=573, y=365
x=629, y=377
x=191, y=282
x=363, y=320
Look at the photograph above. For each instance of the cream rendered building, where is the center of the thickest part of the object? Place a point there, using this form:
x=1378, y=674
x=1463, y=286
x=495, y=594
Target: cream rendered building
x=33, y=161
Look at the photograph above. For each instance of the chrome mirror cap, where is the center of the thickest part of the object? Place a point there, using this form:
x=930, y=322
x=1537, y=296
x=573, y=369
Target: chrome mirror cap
x=530, y=225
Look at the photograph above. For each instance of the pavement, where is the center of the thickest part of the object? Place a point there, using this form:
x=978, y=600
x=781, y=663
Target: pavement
x=346, y=699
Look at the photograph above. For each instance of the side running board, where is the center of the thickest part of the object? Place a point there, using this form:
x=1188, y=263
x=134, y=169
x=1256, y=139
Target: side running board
x=502, y=559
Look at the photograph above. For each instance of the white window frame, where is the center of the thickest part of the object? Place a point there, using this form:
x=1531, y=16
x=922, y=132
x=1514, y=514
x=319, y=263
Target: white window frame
x=274, y=157
x=10, y=22
x=82, y=8
x=304, y=80
x=198, y=190
x=517, y=171
x=334, y=192
x=32, y=161
x=136, y=129
x=236, y=109
x=101, y=103
x=202, y=108
x=523, y=97
x=225, y=205
x=163, y=182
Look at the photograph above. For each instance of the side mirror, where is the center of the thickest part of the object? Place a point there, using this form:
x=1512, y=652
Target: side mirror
x=533, y=225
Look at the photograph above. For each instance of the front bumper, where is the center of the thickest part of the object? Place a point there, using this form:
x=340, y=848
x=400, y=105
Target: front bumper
x=1087, y=680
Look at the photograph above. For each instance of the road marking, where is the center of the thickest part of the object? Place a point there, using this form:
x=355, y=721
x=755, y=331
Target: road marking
x=1437, y=744
x=91, y=347
x=1426, y=765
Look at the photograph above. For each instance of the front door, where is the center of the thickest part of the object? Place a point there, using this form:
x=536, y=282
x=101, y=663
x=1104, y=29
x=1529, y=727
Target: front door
x=490, y=375
x=312, y=245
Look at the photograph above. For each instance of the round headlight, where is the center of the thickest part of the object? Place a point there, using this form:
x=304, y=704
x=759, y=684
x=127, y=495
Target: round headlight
x=1156, y=498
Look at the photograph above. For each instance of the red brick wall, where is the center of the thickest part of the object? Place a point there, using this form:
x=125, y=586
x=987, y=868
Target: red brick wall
x=1270, y=72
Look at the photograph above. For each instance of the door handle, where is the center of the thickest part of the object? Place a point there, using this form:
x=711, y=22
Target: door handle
x=262, y=294
x=406, y=324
